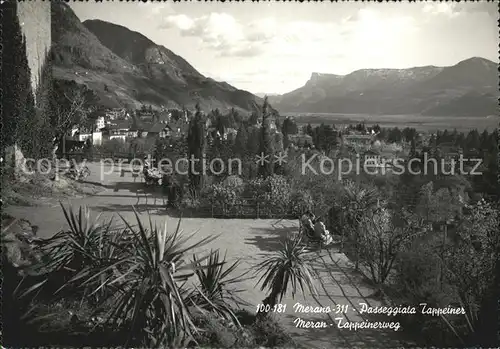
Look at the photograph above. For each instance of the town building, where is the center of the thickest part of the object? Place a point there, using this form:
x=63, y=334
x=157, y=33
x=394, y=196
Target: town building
x=116, y=129
x=100, y=123
x=230, y=134
x=363, y=140
x=378, y=162
x=146, y=116
x=116, y=114
x=159, y=130
x=301, y=140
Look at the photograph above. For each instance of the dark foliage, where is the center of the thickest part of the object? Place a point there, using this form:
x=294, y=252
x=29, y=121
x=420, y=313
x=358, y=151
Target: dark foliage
x=18, y=102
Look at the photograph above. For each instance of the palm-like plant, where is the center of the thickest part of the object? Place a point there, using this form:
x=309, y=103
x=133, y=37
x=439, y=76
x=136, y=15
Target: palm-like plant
x=83, y=246
x=357, y=202
x=139, y=276
x=147, y=294
x=288, y=266
x=214, y=293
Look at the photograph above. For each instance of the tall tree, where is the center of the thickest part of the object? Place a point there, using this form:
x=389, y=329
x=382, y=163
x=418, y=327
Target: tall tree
x=241, y=142
x=330, y=138
x=196, y=147
x=43, y=141
x=254, y=118
x=26, y=128
x=395, y=135
x=290, y=126
x=16, y=76
x=413, y=149
x=484, y=140
x=286, y=141
x=284, y=132
x=265, y=149
x=231, y=118
x=29, y=138
x=473, y=140
x=309, y=130
x=70, y=106
x=219, y=122
x=253, y=143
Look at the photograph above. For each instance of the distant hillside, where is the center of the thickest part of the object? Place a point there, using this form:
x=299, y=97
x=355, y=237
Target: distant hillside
x=469, y=88
x=263, y=94
x=127, y=69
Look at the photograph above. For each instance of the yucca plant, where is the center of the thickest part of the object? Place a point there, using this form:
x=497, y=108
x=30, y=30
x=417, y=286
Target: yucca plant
x=84, y=245
x=4, y=238
x=288, y=266
x=148, y=295
x=357, y=202
x=213, y=292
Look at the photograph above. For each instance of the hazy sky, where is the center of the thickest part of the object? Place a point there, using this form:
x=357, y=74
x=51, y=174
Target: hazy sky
x=274, y=47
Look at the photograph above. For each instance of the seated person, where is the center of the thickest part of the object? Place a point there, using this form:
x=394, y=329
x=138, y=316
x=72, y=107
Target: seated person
x=146, y=162
x=307, y=223
x=321, y=232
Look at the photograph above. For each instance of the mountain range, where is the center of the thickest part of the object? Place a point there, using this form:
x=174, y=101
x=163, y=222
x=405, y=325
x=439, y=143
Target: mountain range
x=469, y=88
x=126, y=69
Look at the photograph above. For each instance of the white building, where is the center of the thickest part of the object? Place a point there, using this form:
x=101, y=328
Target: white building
x=100, y=123
x=230, y=133
x=95, y=137
x=120, y=137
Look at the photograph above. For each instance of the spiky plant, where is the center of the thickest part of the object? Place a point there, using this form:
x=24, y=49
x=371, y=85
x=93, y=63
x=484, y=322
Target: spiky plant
x=289, y=266
x=148, y=298
x=85, y=245
x=214, y=290
x=357, y=202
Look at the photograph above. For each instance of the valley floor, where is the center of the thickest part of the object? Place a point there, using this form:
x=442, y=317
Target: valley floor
x=419, y=122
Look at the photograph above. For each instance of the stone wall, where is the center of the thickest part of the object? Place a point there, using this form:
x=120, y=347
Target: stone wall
x=34, y=17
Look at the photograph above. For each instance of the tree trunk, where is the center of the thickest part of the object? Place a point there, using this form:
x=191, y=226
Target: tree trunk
x=356, y=242
x=342, y=231
x=272, y=299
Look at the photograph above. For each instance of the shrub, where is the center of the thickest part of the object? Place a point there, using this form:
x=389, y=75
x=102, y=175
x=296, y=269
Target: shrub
x=266, y=332
x=113, y=146
x=272, y=193
x=417, y=269
x=270, y=334
x=301, y=201
x=416, y=278
x=190, y=200
x=256, y=189
x=383, y=235
x=221, y=196
x=280, y=192
x=215, y=332
x=233, y=182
